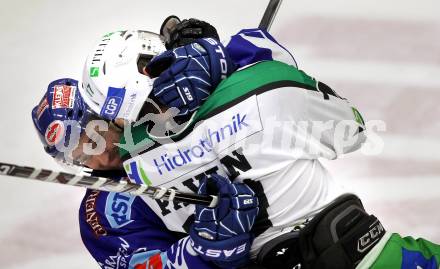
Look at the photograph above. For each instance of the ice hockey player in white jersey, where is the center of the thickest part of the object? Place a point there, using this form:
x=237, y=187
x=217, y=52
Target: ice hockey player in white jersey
x=266, y=125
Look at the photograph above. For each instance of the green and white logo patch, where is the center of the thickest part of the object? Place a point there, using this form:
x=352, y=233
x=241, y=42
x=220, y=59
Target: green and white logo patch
x=94, y=72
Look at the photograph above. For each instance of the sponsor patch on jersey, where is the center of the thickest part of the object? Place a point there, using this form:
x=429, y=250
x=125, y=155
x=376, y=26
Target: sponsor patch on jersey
x=118, y=209
x=54, y=132
x=42, y=107
x=113, y=103
x=63, y=96
x=151, y=260
x=119, y=259
x=92, y=217
x=136, y=173
x=221, y=134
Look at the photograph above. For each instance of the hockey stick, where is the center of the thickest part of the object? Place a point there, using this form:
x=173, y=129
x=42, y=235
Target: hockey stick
x=269, y=14
x=105, y=184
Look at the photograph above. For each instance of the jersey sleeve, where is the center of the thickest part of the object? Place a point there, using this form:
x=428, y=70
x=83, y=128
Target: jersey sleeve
x=327, y=123
x=250, y=46
x=335, y=126
x=121, y=231
x=309, y=117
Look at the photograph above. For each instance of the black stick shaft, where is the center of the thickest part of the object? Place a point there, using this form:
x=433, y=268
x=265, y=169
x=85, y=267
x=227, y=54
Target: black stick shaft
x=105, y=184
x=269, y=14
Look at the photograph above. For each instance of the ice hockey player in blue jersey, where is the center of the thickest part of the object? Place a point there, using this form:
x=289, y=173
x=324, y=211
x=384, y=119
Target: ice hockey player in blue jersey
x=122, y=231
x=115, y=226
x=304, y=218
x=136, y=232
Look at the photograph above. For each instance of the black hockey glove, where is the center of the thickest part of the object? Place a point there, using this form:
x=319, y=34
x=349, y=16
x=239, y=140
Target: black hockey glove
x=178, y=33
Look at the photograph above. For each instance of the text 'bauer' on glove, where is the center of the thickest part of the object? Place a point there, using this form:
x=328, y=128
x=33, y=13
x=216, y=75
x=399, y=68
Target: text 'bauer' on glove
x=187, y=75
x=222, y=234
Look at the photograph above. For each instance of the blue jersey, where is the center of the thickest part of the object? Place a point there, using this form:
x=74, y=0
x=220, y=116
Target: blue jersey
x=122, y=231
x=250, y=46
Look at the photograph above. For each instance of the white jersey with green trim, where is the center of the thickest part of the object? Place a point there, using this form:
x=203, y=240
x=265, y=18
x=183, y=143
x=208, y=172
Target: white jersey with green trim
x=267, y=126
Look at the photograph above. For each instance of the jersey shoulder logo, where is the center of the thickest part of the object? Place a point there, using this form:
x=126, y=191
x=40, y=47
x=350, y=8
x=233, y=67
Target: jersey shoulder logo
x=118, y=209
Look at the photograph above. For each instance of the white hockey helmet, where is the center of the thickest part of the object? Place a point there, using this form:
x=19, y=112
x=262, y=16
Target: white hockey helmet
x=113, y=85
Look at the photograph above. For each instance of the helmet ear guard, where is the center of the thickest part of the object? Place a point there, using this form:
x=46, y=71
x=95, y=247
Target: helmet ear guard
x=114, y=81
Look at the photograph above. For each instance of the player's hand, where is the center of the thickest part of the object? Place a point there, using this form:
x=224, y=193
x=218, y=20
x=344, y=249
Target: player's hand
x=222, y=234
x=188, y=74
x=178, y=33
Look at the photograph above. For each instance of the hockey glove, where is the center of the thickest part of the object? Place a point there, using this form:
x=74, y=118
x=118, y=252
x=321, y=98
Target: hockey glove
x=189, y=74
x=178, y=33
x=222, y=234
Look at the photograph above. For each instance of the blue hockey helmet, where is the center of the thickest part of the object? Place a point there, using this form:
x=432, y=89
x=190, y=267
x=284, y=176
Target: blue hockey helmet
x=60, y=115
